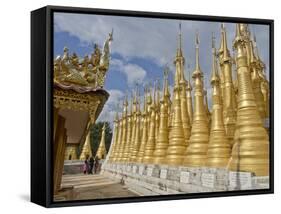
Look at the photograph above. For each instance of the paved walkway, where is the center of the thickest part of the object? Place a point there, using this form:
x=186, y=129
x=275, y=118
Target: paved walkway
x=91, y=187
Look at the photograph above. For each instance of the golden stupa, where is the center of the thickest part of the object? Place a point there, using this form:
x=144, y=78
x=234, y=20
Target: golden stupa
x=188, y=131
x=101, y=152
x=250, y=151
x=228, y=98
x=137, y=135
x=86, y=149
x=189, y=99
x=145, y=123
x=150, y=145
x=196, y=153
x=219, y=147
x=162, y=141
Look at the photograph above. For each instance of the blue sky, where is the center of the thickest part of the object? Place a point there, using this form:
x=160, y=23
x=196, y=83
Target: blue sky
x=141, y=47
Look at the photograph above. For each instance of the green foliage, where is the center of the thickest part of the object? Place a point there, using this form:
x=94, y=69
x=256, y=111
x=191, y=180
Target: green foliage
x=96, y=131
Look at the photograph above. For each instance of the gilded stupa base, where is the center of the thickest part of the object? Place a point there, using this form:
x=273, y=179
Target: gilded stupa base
x=176, y=149
x=196, y=153
x=159, y=155
x=218, y=151
x=148, y=159
x=251, y=148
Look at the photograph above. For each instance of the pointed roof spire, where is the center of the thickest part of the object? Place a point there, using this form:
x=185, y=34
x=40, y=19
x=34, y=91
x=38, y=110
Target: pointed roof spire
x=144, y=98
x=135, y=93
x=158, y=93
x=166, y=72
x=125, y=105
x=149, y=92
x=188, y=87
x=237, y=32
x=244, y=30
x=197, y=70
x=214, y=77
x=220, y=51
x=125, y=102
x=226, y=55
x=132, y=103
x=138, y=97
x=256, y=51
x=154, y=101
x=253, y=58
x=197, y=51
x=182, y=78
x=179, y=48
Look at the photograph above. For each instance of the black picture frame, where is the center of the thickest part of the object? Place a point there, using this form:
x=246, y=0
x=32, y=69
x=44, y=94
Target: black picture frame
x=41, y=104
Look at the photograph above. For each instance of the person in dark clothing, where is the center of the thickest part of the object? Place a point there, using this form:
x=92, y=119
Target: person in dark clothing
x=91, y=164
x=96, y=165
x=86, y=166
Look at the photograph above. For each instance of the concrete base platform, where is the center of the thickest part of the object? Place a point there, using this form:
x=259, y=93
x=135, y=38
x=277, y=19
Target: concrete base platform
x=163, y=180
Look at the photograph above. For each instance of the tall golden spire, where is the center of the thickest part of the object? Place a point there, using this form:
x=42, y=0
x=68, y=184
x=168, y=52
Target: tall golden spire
x=124, y=129
x=220, y=51
x=264, y=81
x=137, y=139
x=149, y=97
x=229, y=99
x=220, y=54
x=177, y=146
x=157, y=107
x=197, y=63
x=179, y=63
x=198, y=143
x=245, y=33
x=119, y=139
x=179, y=48
x=162, y=141
x=189, y=97
x=166, y=92
x=101, y=152
x=219, y=148
x=256, y=81
x=251, y=144
x=144, y=134
x=180, y=126
x=130, y=116
x=179, y=59
x=167, y=95
x=150, y=145
x=133, y=126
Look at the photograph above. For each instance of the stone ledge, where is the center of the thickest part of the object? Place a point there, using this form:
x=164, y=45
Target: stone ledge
x=162, y=179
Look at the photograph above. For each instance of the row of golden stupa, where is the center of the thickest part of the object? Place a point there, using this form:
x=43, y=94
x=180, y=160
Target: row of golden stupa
x=71, y=150
x=183, y=132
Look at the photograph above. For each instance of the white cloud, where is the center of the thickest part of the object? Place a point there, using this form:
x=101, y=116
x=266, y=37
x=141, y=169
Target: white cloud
x=134, y=73
x=111, y=106
x=154, y=39
x=133, y=37
x=115, y=97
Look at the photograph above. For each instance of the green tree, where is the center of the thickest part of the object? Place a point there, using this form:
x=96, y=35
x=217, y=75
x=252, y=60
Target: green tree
x=96, y=131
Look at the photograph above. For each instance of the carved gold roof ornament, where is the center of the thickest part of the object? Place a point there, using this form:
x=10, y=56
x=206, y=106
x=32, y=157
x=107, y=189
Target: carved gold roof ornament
x=88, y=73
